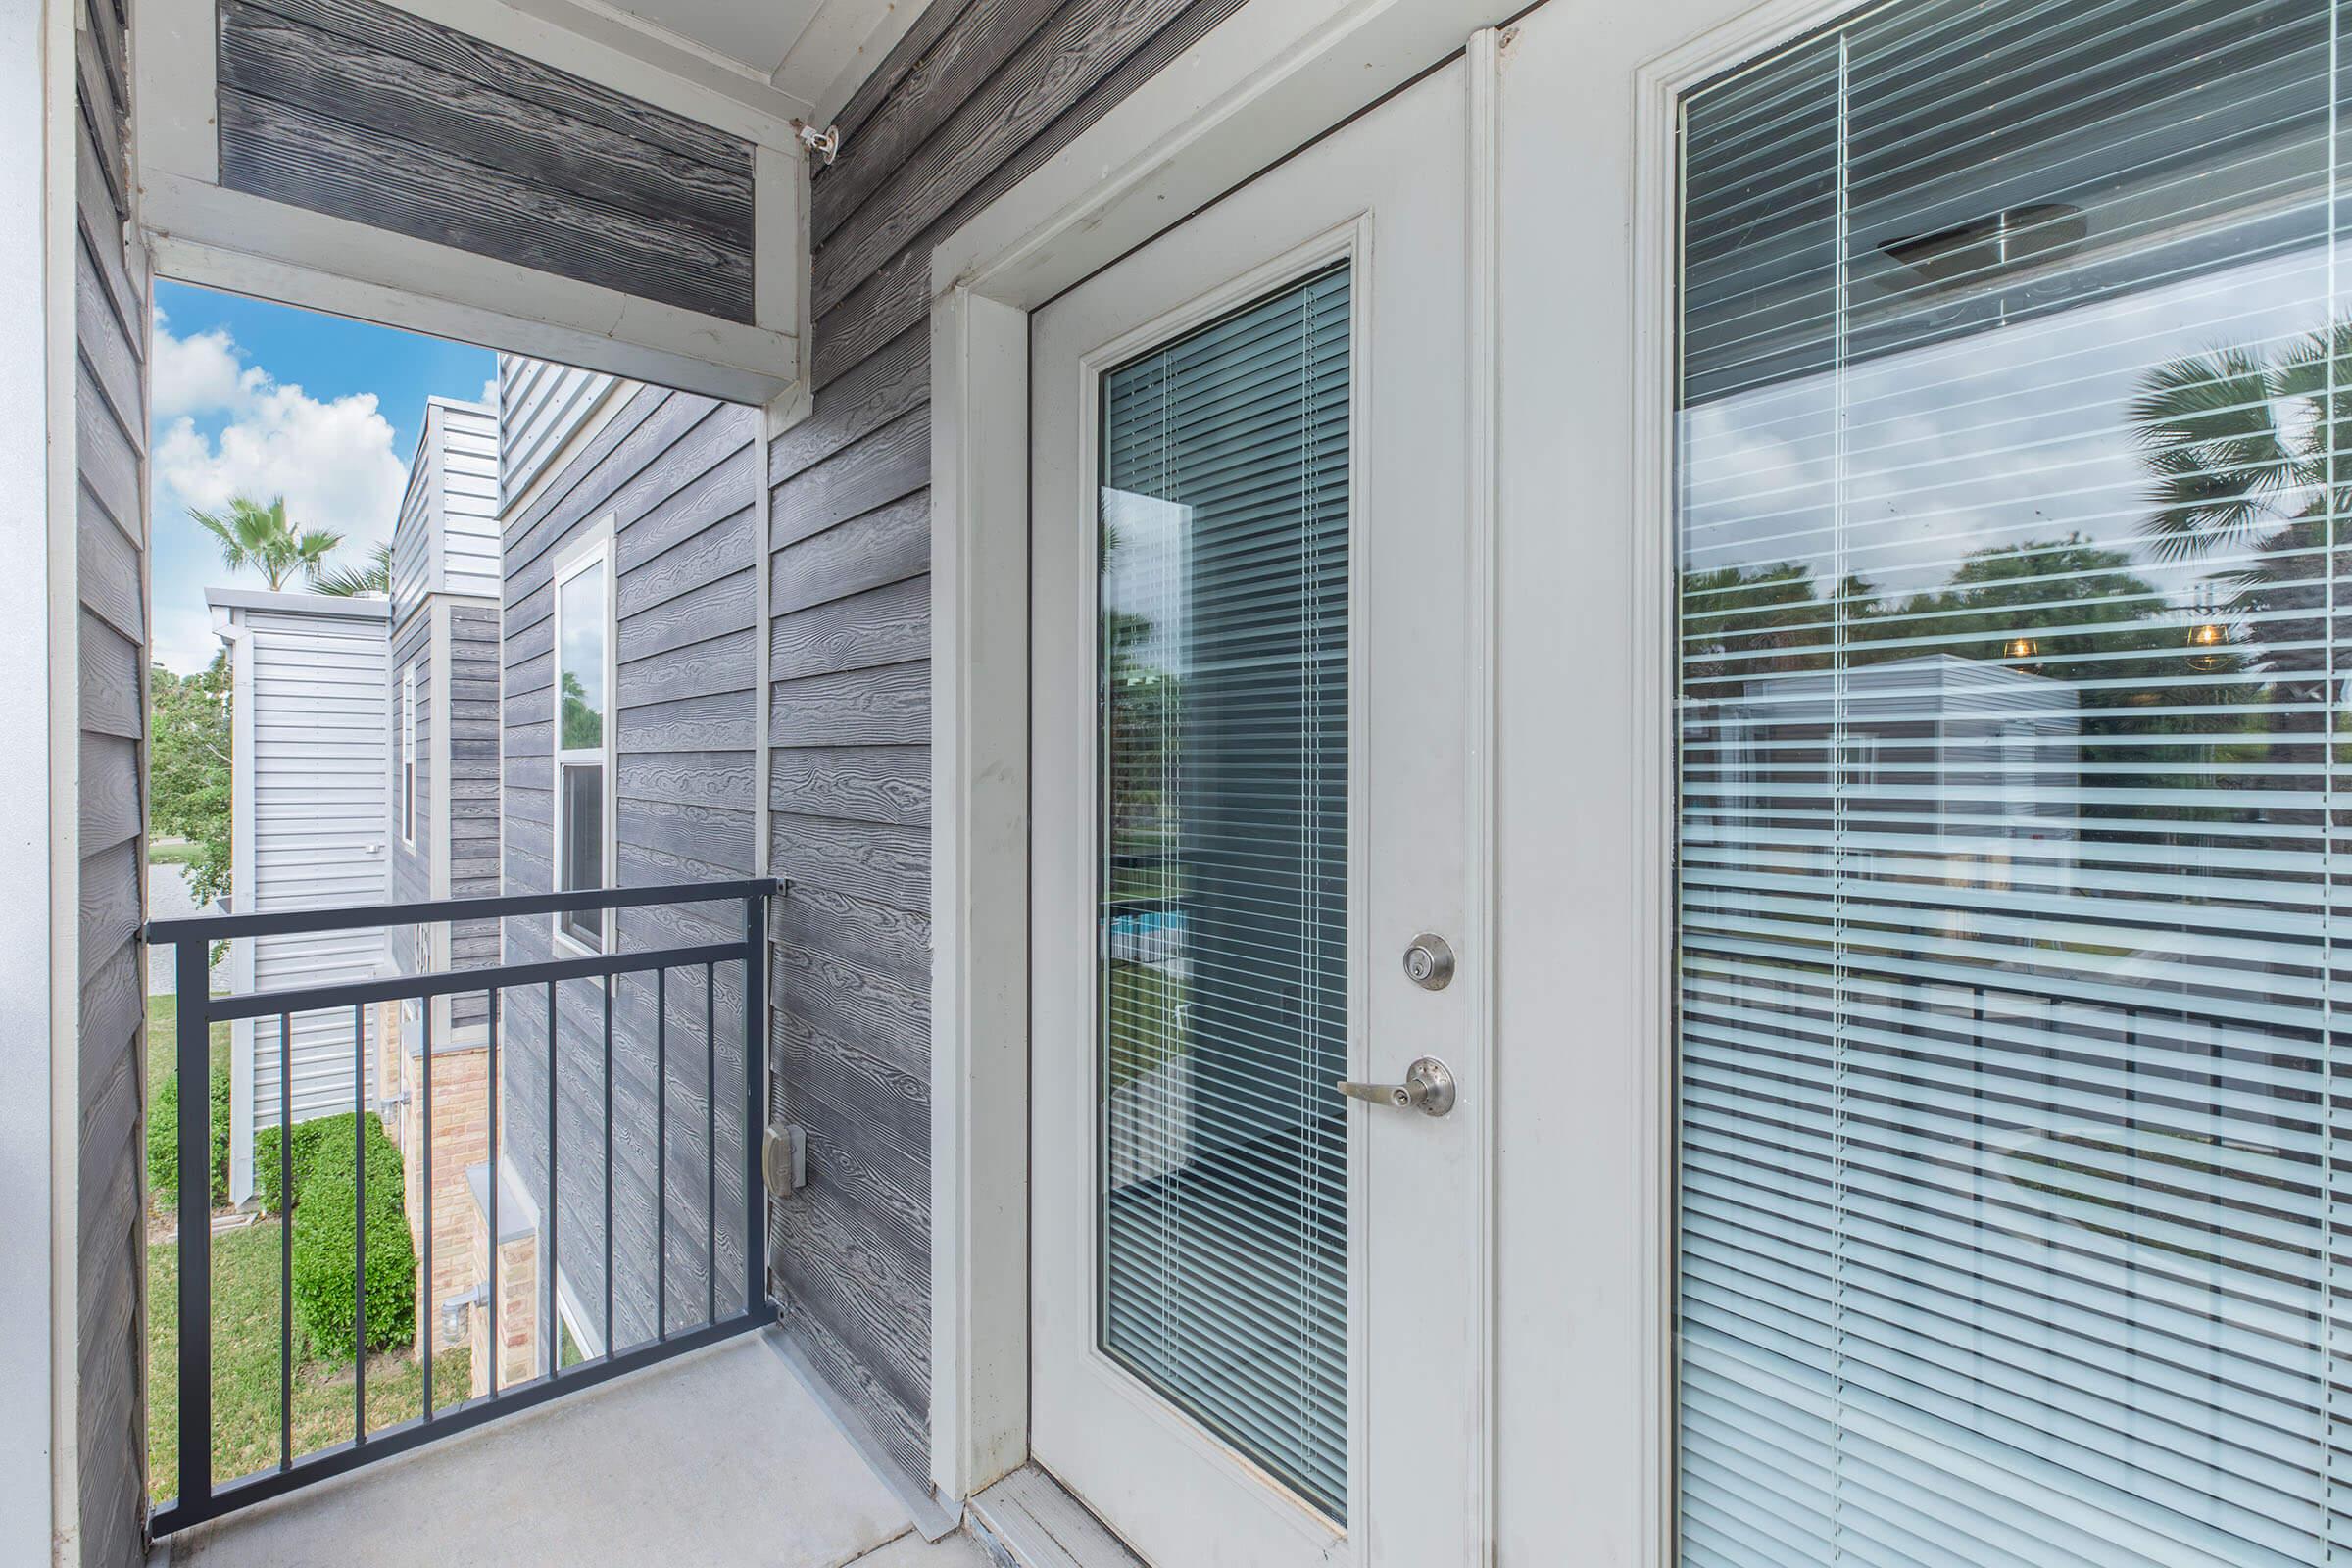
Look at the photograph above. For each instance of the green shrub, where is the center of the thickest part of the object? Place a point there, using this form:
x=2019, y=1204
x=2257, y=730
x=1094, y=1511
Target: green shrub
x=162, y=1142
x=162, y=1138
x=220, y=1132
x=325, y=1222
x=307, y=1135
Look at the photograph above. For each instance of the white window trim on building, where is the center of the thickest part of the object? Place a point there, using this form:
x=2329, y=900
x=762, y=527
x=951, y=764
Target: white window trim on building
x=408, y=757
x=591, y=550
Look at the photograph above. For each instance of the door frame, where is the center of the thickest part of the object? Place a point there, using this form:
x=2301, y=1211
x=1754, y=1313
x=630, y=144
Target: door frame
x=1260, y=85
x=1266, y=82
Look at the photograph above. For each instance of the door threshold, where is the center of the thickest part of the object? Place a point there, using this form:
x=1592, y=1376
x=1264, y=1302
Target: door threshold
x=1027, y=1520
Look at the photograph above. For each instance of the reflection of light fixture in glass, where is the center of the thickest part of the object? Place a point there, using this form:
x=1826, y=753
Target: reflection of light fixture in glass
x=2020, y=648
x=2206, y=640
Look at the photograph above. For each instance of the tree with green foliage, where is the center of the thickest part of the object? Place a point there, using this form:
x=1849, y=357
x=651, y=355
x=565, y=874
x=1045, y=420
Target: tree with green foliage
x=583, y=724
x=350, y=583
x=257, y=537
x=188, y=764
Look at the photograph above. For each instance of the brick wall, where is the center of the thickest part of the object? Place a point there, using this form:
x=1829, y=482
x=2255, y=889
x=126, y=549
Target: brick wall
x=460, y=1125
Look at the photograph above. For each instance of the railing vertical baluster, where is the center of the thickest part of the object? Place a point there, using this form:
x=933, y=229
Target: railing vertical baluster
x=359, y=1229
x=755, y=1104
x=195, y=1070
x=199, y=1499
x=432, y=1329
x=551, y=1327
x=285, y=1241
x=710, y=1143
x=660, y=1153
x=611, y=981
x=495, y=1346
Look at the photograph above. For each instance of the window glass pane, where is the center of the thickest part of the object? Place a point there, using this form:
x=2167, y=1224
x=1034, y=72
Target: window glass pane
x=581, y=660
x=2008, y=503
x=1223, y=674
x=583, y=865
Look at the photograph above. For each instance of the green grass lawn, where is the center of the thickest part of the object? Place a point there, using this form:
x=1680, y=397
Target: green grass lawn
x=245, y=1339
x=171, y=852
x=245, y=1382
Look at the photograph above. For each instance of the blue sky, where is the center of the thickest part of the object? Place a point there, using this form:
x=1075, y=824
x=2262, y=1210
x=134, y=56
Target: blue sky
x=265, y=400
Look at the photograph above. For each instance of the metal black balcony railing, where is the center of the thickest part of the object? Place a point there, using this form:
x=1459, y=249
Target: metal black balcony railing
x=204, y=1497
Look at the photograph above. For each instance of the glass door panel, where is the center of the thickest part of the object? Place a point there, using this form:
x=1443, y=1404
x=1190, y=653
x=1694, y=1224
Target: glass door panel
x=1222, y=981
x=2008, y=496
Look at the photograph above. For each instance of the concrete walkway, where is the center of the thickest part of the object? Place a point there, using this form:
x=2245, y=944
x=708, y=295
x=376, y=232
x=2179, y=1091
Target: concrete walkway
x=168, y=898
x=720, y=1458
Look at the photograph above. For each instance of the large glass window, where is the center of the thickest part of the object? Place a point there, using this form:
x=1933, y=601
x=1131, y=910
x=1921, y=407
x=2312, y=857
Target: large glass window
x=2012, y=344
x=1223, y=981
x=582, y=752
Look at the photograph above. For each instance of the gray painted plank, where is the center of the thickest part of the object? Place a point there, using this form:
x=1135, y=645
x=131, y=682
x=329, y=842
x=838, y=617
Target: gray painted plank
x=886, y=626
x=924, y=98
x=716, y=664
x=897, y=295
x=473, y=124
x=401, y=33
x=1086, y=40
x=915, y=42
x=885, y=784
x=310, y=159
x=881, y=547
x=886, y=707
x=892, y=463
x=881, y=387
x=883, y=865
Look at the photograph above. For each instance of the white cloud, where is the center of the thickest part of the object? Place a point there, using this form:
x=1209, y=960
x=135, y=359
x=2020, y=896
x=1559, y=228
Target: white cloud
x=333, y=461
x=489, y=396
x=201, y=374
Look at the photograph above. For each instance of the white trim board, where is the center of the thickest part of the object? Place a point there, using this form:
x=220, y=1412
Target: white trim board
x=1259, y=85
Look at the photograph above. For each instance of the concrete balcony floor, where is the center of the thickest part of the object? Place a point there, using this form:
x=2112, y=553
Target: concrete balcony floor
x=722, y=1456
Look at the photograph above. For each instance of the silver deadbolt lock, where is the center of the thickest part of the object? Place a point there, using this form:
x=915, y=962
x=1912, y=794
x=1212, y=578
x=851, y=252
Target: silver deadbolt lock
x=1429, y=961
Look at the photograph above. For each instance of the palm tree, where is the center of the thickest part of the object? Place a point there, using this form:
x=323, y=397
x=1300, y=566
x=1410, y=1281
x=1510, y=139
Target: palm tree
x=2242, y=445
x=349, y=582
x=258, y=536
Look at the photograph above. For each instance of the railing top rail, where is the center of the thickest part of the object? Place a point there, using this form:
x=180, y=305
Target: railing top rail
x=237, y=1006
x=344, y=917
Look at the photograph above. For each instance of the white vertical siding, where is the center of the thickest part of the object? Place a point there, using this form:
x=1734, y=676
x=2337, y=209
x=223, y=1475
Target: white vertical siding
x=446, y=540
x=469, y=545
x=312, y=776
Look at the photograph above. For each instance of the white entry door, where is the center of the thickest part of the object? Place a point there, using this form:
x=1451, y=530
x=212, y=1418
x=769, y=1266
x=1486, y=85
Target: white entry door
x=1255, y=1302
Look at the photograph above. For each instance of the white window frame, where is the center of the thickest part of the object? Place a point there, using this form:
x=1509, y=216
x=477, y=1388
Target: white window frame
x=407, y=782
x=590, y=550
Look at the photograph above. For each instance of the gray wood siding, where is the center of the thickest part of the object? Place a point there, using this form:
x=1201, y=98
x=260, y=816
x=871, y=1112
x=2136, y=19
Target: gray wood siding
x=469, y=706
x=364, y=110
x=976, y=95
x=110, y=311
x=540, y=405
x=676, y=473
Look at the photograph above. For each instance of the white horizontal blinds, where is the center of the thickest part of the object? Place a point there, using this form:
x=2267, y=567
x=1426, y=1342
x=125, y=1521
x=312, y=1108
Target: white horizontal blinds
x=1224, y=877
x=2010, y=1227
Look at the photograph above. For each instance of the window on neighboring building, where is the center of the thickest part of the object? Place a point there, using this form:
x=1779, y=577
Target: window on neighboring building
x=583, y=737
x=408, y=757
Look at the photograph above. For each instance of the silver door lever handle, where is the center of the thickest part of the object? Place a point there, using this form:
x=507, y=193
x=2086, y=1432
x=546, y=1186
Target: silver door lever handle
x=1428, y=1088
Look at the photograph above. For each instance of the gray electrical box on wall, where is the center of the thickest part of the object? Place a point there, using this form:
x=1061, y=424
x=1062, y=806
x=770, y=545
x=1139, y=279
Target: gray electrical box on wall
x=784, y=1160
